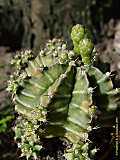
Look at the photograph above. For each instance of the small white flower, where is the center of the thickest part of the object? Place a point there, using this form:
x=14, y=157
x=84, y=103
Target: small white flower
x=91, y=90
x=108, y=74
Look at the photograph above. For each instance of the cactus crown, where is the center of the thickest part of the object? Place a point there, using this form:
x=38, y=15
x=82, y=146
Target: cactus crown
x=58, y=95
x=83, y=45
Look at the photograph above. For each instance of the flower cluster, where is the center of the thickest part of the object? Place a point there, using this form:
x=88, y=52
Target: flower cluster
x=39, y=114
x=29, y=143
x=27, y=132
x=16, y=80
x=20, y=60
x=78, y=151
x=58, y=49
x=51, y=47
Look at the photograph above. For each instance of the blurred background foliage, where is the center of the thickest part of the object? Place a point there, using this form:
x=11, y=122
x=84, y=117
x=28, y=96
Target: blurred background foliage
x=30, y=23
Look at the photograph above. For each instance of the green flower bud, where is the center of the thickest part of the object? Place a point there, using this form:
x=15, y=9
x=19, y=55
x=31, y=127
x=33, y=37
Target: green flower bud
x=86, y=47
x=78, y=33
x=82, y=44
x=38, y=147
x=63, y=57
x=93, y=152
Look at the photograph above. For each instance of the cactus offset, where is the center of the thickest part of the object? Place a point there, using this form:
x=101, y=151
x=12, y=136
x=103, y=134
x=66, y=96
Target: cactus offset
x=61, y=92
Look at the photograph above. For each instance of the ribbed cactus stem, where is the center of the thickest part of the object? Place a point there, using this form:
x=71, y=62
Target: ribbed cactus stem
x=61, y=96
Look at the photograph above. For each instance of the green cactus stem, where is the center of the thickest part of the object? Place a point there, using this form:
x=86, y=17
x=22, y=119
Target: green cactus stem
x=65, y=95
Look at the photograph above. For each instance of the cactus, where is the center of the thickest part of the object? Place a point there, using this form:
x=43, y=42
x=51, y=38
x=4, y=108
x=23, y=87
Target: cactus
x=62, y=95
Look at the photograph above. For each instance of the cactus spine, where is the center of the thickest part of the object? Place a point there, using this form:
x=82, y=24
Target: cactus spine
x=60, y=96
